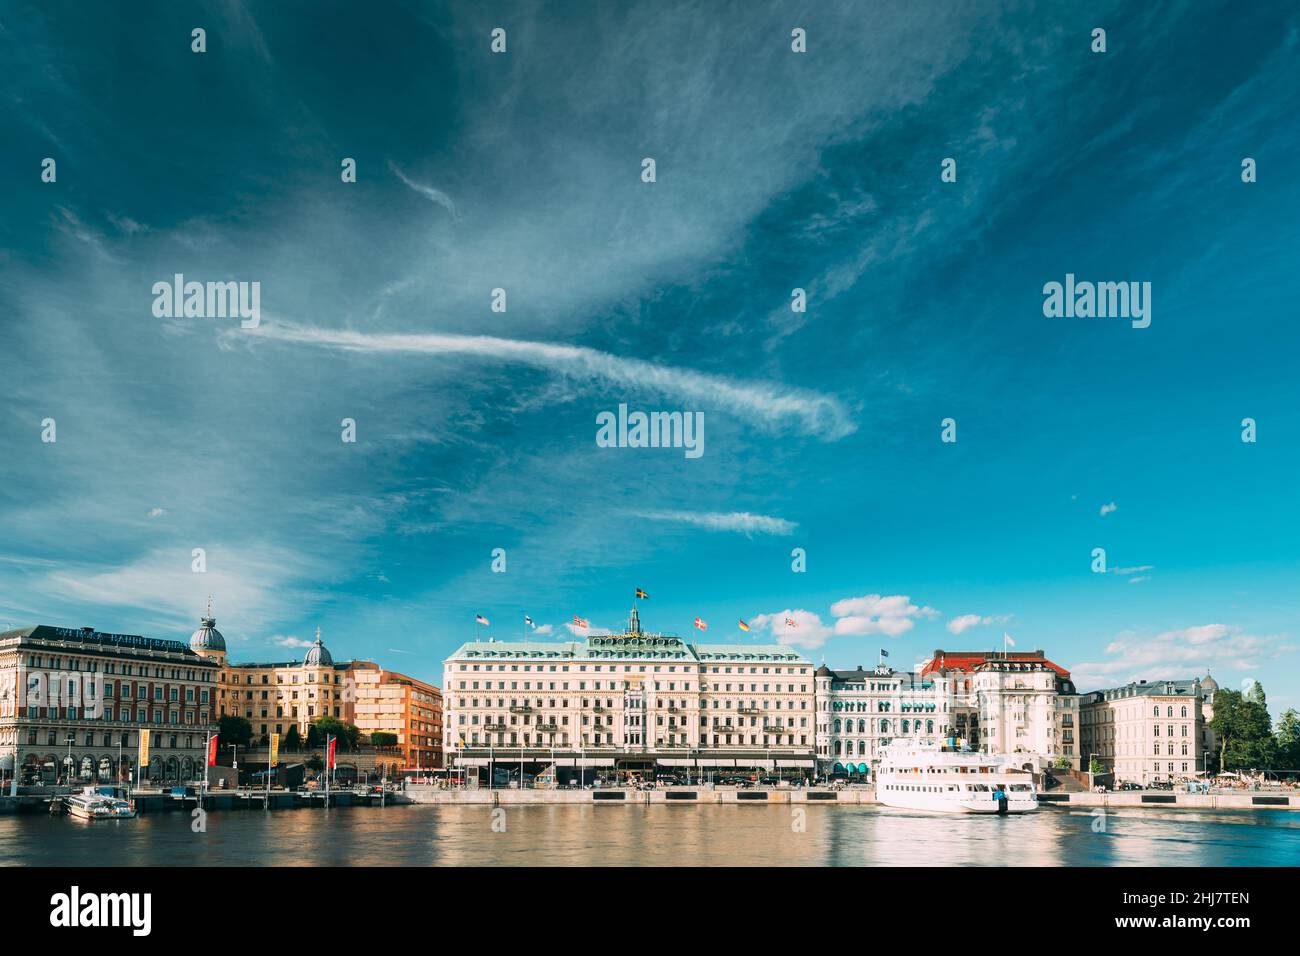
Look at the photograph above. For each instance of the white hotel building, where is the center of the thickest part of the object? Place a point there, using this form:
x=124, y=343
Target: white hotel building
x=634, y=702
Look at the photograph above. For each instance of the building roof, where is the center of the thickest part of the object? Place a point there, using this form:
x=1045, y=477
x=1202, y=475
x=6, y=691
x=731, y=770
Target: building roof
x=91, y=639
x=633, y=643
x=1158, y=688
x=207, y=637
x=317, y=655
x=975, y=660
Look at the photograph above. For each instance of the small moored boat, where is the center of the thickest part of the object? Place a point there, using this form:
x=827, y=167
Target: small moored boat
x=96, y=806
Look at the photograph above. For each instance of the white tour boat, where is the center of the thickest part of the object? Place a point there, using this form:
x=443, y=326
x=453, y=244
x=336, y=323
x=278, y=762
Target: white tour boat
x=951, y=779
x=96, y=806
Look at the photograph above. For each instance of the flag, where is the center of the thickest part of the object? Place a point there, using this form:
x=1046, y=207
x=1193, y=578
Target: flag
x=744, y=626
x=142, y=759
x=791, y=622
x=579, y=622
x=884, y=653
x=329, y=760
x=702, y=625
x=212, y=751
x=1007, y=638
x=529, y=621
x=274, y=757
x=642, y=595
x=481, y=619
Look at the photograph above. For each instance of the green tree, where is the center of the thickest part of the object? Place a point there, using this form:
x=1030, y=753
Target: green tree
x=1288, y=740
x=1095, y=766
x=234, y=730
x=348, y=735
x=315, y=764
x=382, y=738
x=292, y=740
x=1062, y=763
x=1244, y=729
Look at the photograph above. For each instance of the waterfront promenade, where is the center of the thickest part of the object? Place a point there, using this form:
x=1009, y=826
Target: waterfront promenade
x=1287, y=800
x=255, y=799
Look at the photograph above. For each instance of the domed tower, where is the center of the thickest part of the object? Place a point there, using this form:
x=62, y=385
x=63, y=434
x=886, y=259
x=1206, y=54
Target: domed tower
x=207, y=640
x=822, y=679
x=318, y=655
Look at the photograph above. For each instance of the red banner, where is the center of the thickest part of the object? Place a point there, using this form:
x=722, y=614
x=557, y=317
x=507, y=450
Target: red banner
x=330, y=760
x=212, y=751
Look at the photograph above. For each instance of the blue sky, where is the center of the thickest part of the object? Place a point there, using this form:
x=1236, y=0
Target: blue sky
x=476, y=429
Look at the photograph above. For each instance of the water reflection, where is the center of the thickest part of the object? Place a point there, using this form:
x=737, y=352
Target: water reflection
x=659, y=835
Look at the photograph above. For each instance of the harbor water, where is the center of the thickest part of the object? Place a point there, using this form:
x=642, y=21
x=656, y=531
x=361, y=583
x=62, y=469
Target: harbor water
x=657, y=835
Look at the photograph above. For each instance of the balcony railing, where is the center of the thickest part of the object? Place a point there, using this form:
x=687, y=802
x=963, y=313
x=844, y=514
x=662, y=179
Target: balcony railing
x=521, y=710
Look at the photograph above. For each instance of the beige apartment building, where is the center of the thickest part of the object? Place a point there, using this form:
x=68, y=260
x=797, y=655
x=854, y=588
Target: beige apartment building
x=275, y=696
x=633, y=702
x=389, y=702
x=1150, y=731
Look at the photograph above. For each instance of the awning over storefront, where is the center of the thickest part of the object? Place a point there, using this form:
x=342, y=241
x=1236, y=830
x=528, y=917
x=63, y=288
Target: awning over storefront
x=839, y=767
x=796, y=763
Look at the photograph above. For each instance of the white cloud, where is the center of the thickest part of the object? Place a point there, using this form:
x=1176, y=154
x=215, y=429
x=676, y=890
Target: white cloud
x=729, y=521
x=544, y=630
x=875, y=614
x=871, y=614
x=1179, y=654
x=965, y=622
x=256, y=582
x=1108, y=508
x=811, y=632
x=768, y=405
x=288, y=640
x=428, y=192
x=157, y=512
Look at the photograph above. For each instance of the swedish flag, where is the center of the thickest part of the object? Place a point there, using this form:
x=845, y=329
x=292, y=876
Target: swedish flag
x=641, y=595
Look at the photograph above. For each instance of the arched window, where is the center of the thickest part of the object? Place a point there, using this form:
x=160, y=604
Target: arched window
x=1169, y=711
x=1155, y=711
x=837, y=725
x=862, y=726
x=884, y=726
x=1184, y=713
x=904, y=726
x=929, y=726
